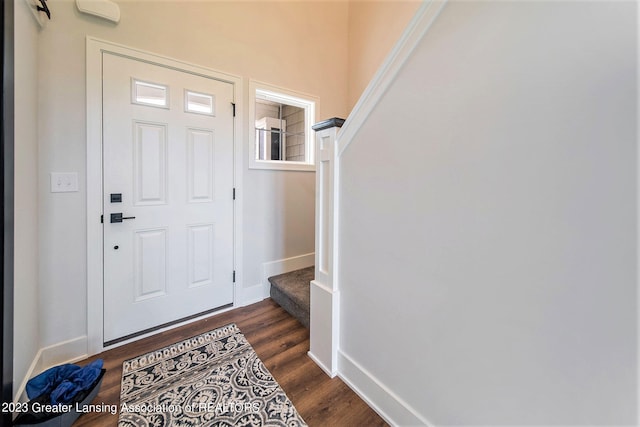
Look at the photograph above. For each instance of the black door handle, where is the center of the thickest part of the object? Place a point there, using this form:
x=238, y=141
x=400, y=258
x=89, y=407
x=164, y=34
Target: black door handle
x=117, y=217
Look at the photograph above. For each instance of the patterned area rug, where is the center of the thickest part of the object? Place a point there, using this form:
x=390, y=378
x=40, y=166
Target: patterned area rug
x=214, y=379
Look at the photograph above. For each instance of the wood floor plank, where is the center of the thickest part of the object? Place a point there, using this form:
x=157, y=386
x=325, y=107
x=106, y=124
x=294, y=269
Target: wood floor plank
x=282, y=344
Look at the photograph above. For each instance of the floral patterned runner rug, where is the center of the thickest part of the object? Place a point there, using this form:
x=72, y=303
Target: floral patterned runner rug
x=213, y=379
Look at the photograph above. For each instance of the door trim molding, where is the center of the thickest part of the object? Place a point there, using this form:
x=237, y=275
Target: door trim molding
x=94, y=49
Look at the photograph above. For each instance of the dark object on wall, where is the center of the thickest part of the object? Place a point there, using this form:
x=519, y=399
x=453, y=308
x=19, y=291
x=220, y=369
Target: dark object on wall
x=44, y=8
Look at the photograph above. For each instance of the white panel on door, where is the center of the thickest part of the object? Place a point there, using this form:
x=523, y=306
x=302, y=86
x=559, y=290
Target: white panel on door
x=150, y=163
x=201, y=238
x=150, y=264
x=200, y=168
x=324, y=172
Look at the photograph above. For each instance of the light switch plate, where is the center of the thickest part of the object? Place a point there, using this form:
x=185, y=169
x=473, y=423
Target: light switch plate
x=64, y=182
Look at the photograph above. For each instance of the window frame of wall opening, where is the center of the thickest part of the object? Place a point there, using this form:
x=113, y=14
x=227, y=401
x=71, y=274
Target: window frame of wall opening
x=310, y=104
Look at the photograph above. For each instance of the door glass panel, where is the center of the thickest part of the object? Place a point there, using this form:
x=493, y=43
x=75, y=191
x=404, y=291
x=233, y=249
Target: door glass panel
x=146, y=93
x=200, y=103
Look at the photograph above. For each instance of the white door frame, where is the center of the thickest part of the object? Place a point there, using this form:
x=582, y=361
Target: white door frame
x=95, y=303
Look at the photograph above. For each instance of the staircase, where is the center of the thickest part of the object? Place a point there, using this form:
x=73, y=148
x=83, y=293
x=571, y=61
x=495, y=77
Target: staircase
x=292, y=292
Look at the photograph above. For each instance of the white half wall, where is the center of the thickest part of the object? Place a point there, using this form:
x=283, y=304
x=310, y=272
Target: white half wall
x=488, y=222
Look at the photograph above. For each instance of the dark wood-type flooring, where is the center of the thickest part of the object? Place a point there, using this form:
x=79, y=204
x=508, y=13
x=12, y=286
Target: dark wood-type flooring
x=280, y=341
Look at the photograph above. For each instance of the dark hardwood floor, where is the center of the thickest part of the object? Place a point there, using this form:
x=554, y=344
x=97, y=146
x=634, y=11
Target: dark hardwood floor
x=280, y=341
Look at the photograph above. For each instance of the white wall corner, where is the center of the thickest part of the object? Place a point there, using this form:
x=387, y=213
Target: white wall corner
x=378, y=396
x=70, y=351
x=250, y=295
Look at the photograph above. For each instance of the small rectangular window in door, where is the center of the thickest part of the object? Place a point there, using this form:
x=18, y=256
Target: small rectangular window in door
x=200, y=103
x=146, y=93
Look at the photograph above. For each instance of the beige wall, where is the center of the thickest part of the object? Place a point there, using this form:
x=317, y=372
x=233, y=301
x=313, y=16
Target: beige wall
x=289, y=44
x=374, y=28
x=296, y=45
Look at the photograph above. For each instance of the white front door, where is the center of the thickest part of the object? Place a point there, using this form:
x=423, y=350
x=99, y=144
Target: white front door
x=168, y=195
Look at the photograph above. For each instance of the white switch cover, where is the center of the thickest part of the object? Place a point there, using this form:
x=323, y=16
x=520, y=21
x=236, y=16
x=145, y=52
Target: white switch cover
x=64, y=182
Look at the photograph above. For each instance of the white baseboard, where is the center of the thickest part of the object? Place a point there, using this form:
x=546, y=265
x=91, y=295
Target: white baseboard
x=57, y=354
x=321, y=365
x=21, y=395
x=285, y=265
x=379, y=397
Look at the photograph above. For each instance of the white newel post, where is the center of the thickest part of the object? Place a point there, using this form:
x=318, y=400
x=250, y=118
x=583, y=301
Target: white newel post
x=325, y=295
